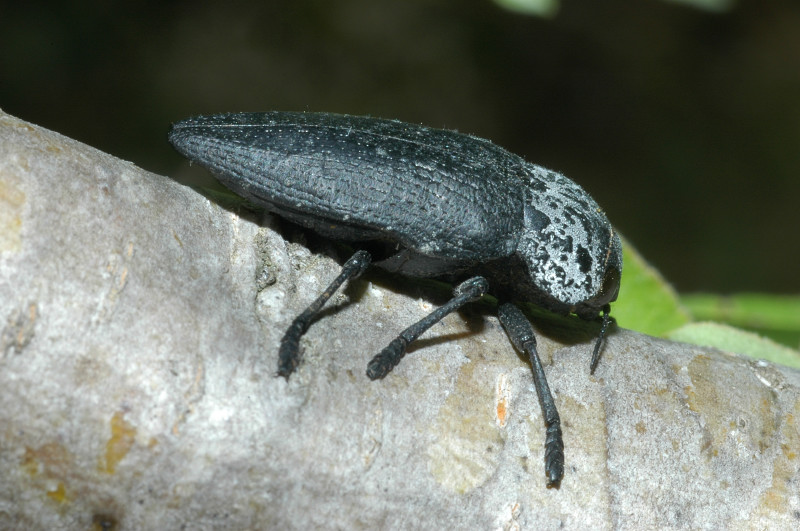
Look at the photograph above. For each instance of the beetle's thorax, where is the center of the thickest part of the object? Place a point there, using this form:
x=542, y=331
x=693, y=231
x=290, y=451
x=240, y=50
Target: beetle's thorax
x=567, y=244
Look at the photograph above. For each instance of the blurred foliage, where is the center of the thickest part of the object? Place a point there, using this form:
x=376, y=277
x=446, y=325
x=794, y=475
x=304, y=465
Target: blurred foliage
x=774, y=316
x=541, y=8
x=549, y=8
x=717, y=6
x=736, y=323
x=682, y=123
x=731, y=339
x=646, y=302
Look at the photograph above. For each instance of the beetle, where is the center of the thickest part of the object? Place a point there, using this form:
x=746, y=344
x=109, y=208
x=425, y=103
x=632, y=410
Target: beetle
x=423, y=202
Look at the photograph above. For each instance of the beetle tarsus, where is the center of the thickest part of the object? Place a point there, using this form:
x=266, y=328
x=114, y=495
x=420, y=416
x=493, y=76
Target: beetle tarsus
x=289, y=353
x=554, y=454
x=387, y=359
x=468, y=291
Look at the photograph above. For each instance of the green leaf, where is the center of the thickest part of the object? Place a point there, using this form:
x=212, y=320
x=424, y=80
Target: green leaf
x=728, y=338
x=774, y=316
x=646, y=302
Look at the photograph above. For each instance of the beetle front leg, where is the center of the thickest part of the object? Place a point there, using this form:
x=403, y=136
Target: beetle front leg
x=468, y=291
x=289, y=353
x=521, y=333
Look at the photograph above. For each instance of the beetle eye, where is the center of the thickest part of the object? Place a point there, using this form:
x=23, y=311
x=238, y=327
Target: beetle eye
x=608, y=293
x=610, y=289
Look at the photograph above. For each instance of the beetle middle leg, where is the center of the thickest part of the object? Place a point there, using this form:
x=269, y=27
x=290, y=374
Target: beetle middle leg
x=521, y=333
x=468, y=291
x=289, y=353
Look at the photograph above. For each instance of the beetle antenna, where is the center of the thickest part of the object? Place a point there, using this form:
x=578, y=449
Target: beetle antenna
x=599, y=343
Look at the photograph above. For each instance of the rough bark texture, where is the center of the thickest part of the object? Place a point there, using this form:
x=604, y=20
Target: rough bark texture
x=139, y=330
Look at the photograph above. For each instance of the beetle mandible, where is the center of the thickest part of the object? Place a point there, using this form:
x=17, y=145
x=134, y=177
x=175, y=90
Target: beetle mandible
x=423, y=202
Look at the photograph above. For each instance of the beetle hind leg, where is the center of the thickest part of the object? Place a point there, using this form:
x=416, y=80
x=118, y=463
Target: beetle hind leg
x=386, y=360
x=289, y=353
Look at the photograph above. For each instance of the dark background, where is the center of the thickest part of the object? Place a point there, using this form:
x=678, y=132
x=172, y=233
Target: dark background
x=682, y=123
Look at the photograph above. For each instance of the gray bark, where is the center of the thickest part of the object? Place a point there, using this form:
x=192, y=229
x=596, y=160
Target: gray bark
x=139, y=331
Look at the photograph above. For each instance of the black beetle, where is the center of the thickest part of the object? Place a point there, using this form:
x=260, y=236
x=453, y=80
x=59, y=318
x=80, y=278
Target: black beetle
x=426, y=203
